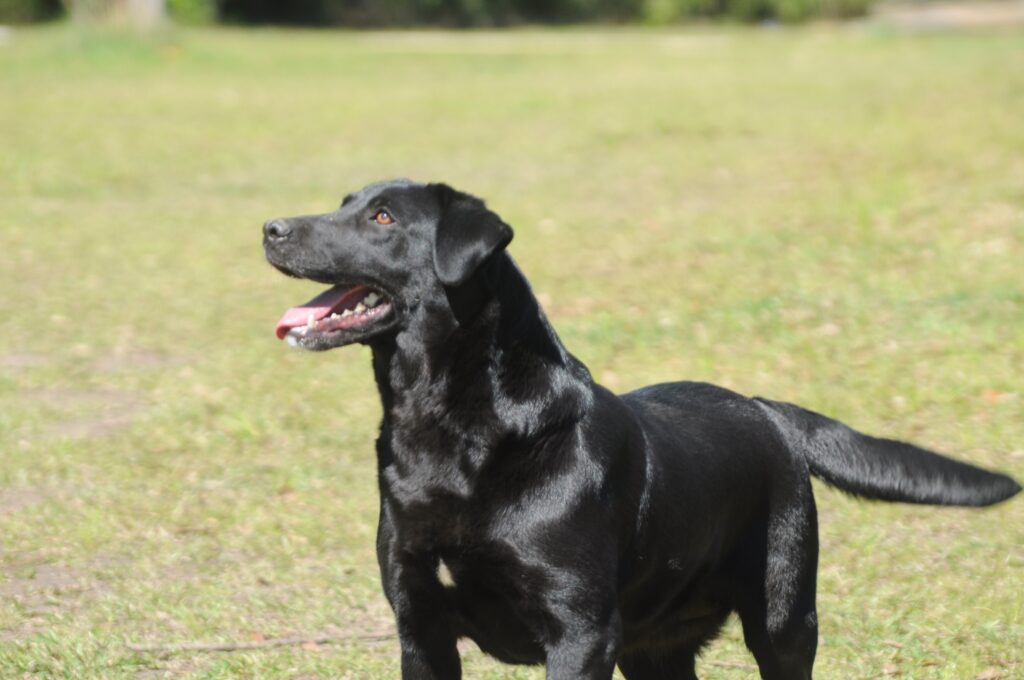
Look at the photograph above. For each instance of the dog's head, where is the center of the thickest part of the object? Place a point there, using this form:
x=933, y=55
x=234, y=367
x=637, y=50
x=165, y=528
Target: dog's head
x=389, y=249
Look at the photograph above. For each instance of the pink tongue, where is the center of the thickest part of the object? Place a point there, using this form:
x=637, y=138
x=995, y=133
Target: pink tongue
x=320, y=306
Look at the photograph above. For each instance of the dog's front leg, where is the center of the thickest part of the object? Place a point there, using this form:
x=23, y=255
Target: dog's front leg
x=422, y=612
x=425, y=630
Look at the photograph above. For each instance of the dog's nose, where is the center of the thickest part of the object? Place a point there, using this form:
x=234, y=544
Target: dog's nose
x=277, y=230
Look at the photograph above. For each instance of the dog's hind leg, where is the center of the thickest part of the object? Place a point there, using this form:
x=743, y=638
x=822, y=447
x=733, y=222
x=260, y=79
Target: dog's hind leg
x=675, y=665
x=776, y=601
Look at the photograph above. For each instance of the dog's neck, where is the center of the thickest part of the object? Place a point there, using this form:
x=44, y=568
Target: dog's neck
x=502, y=351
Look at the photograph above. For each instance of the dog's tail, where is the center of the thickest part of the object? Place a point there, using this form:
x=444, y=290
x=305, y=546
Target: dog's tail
x=883, y=469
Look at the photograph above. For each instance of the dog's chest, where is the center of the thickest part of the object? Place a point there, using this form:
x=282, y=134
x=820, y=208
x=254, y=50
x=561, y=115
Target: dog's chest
x=425, y=466
x=428, y=495
x=432, y=482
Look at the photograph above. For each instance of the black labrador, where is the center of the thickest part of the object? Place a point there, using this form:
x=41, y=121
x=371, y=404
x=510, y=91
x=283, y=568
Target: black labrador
x=530, y=509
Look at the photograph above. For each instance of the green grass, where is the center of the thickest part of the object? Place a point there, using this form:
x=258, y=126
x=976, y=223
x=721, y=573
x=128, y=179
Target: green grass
x=834, y=217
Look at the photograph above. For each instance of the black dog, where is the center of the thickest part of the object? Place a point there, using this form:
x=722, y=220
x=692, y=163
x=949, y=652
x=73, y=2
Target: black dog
x=530, y=509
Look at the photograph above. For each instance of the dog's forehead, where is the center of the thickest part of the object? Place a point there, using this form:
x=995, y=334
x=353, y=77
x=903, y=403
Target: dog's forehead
x=378, y=190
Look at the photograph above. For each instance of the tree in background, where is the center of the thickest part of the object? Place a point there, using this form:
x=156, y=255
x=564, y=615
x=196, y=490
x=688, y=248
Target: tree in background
x=465, y=13
x=26, y=11
x=505, y=12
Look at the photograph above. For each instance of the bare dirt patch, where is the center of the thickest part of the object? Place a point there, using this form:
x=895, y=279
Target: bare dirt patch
x=114, y=362
x=22, y=360
x=40, y=591
x=41, y=583
x=168, y=668
x=13, y=500
x=949, y=15
x=87, y=413
x=136, y=360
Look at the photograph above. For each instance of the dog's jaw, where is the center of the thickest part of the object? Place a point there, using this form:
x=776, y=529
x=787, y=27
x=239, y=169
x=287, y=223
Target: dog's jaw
x=339, y=316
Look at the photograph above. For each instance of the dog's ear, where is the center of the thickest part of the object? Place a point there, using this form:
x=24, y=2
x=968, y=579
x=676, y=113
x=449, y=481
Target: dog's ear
x=467, y=234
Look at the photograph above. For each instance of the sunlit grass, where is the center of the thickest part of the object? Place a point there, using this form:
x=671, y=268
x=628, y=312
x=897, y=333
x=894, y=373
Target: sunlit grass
x=834, y=217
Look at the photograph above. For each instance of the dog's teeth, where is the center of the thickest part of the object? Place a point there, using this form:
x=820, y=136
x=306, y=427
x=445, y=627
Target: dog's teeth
x=360, y=308
x=334, y=315
x=347, y=312
x=371, y=300
x=310, y=321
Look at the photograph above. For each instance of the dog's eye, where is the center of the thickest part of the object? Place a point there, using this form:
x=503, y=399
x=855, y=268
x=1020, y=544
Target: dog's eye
x=383, y=217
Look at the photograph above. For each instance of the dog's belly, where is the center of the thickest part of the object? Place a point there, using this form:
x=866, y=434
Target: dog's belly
x=666, y=615
x=503, y=617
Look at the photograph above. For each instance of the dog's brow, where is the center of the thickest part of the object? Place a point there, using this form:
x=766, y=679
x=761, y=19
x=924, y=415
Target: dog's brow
x=348, y=199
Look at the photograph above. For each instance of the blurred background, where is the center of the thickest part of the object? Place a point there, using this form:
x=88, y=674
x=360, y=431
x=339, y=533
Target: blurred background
x=817, y=201
x=500, y=13
x=366, y=13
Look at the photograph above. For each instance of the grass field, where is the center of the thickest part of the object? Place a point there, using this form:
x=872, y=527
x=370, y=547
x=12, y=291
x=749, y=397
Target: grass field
x=829, y=216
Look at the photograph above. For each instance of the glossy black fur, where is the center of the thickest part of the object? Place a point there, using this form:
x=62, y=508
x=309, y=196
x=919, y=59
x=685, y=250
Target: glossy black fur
x=581, y=529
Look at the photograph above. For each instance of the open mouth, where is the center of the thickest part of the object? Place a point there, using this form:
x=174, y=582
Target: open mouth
x=336, y=317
